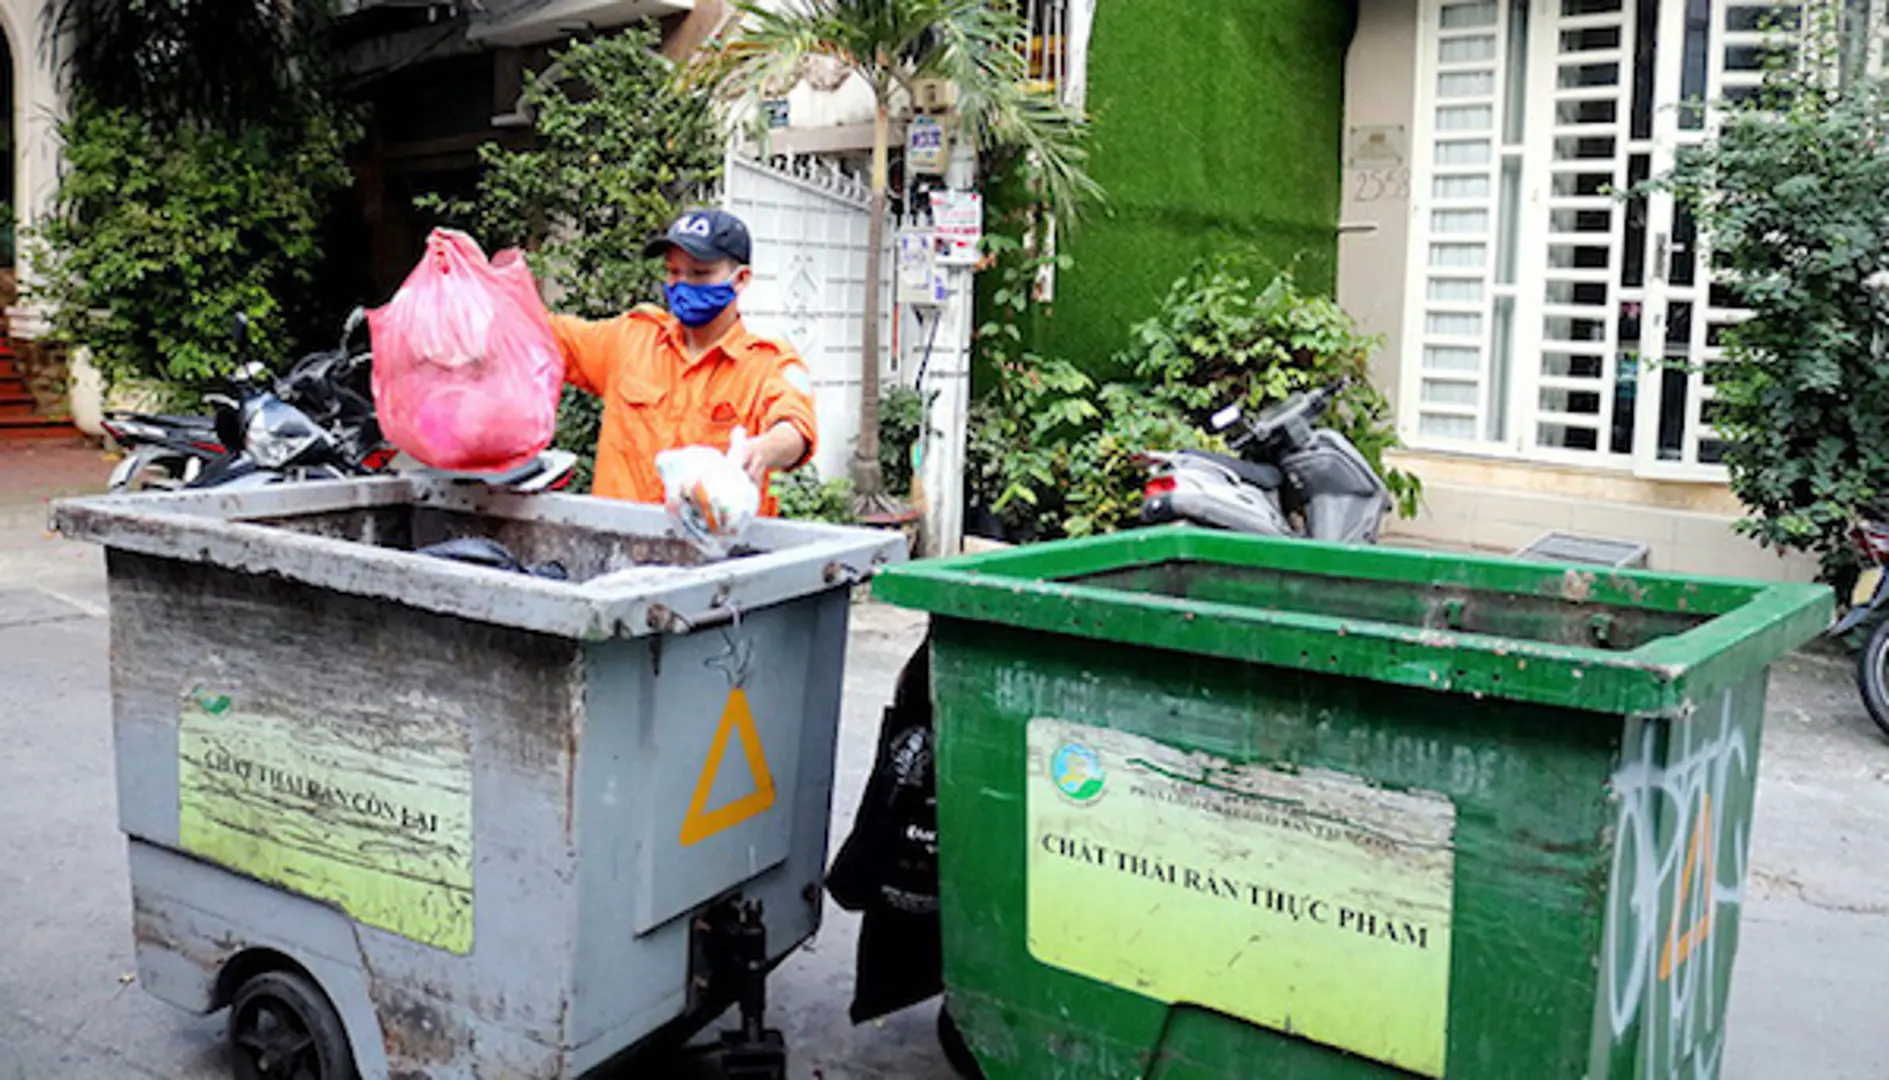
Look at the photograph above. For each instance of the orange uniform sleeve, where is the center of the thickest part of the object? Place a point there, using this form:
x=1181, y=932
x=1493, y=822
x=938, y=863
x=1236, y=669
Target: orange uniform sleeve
x=787, y=398
x=586, y=345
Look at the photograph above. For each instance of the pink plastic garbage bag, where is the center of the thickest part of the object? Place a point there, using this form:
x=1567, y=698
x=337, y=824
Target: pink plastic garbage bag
x=466, y=370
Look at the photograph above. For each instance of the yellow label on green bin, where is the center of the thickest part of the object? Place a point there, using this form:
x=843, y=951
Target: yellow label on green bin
x=1308, y=902
x=374, y=817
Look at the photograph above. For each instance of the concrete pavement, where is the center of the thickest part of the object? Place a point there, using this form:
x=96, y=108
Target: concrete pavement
x=1813, y=961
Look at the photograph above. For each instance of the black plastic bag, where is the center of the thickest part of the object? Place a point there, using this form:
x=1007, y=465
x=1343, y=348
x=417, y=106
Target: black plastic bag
x=887, y=868
x=480, y=551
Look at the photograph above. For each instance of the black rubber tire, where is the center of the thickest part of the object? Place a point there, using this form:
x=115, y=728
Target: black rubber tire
x=957, y=1053
x=1872, y=675
x=283, y=1028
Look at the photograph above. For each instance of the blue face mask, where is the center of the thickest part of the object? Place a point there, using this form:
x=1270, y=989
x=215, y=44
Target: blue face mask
x=697, y=305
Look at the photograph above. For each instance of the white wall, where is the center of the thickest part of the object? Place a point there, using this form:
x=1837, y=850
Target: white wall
x=851, y=103
x=36, y=112
x=1380, y=76
x=809, y=285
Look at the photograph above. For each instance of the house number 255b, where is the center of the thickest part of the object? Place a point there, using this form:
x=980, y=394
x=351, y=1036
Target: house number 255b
x=1374, y=185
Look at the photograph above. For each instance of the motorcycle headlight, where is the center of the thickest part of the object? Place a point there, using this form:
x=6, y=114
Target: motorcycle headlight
x=270, y=449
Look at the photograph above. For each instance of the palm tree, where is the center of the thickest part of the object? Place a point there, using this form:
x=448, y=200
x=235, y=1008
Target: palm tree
x=976, y=45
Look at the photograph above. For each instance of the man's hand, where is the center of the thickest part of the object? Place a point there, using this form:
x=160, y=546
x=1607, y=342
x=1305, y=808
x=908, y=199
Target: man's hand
x=781, y=448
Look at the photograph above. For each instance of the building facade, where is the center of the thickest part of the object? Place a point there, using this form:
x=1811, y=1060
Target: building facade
x=1550, y=338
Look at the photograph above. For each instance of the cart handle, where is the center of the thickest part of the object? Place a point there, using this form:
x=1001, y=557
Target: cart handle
x=665, y=619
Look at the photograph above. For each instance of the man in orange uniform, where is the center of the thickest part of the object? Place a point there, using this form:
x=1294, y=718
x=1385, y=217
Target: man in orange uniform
x=691, y=375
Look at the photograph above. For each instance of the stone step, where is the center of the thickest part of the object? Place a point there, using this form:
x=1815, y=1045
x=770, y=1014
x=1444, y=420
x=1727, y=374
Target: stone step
x=31, y=428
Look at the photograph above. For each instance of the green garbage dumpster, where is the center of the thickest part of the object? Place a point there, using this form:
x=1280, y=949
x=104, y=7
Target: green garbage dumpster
x=1223, y=806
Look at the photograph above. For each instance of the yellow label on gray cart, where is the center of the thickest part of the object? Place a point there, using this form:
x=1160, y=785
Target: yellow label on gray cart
x=1312, y=903
x=374, y=817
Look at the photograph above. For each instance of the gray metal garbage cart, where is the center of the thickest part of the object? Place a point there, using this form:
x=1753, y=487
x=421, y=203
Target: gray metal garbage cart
x=454, y=821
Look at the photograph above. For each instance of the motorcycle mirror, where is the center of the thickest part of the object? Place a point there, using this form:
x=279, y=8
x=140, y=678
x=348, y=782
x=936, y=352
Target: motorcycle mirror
x=239, y=330
x=353, y=325
x=1225, y=418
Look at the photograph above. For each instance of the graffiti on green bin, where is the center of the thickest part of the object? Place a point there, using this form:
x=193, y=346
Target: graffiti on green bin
x=1677, y=885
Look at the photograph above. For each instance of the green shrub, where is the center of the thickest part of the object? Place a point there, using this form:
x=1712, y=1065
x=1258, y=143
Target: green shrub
x=1789, y=197
x=805, y=497
x=1057, y=457
x=580, y=422
x=901, y=424
x=1018, y=448
x=1105, y=483
x=1218, y=341
x=1052, y=454
x=162, y=234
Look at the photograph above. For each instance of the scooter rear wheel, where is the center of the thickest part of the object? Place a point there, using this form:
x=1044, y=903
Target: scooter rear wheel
x=1872, y=675
x=149, y=469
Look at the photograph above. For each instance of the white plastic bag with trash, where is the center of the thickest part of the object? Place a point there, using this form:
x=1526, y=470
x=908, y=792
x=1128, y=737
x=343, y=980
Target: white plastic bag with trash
x=709, y=494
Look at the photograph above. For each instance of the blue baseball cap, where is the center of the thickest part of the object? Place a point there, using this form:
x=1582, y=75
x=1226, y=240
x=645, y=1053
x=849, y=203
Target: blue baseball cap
x=710, y=235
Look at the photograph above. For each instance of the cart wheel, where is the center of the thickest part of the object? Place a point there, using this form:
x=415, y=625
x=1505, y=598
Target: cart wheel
x=951, y=1041
x=282, y=1028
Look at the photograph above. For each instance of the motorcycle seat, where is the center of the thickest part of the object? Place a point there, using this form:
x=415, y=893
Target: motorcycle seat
x=1264, y=477
x=195, y=423
x=170, y=420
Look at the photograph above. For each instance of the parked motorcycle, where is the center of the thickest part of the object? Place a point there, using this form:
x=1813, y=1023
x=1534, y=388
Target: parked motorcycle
x=266, y=439
x=1871, y=537
x=162, y=452
x=1289, y=478
x=317, y=422
x=334, y=388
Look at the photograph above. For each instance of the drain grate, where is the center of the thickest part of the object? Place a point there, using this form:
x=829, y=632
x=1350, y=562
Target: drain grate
x=1560, y=547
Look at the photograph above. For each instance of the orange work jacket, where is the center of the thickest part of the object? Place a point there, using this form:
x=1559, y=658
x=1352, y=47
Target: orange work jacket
x=655, y=399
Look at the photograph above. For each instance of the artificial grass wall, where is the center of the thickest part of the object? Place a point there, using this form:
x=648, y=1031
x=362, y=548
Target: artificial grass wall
x=1217, y=129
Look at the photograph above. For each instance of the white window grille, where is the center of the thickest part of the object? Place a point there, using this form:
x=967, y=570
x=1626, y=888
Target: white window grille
x=1554, y=320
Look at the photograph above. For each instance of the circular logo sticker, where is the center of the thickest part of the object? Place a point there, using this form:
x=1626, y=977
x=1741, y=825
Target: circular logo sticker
x=1077, y=772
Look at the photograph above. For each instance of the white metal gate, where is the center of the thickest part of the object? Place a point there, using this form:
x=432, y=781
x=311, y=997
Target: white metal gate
x=809, y=224
x=1548, y=305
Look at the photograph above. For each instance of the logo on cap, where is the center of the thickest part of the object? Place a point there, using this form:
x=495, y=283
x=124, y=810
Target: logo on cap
x=693, y=226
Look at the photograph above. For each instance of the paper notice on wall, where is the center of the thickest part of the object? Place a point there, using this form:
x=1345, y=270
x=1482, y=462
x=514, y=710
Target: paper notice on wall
x=957, y=222
x=920, y=280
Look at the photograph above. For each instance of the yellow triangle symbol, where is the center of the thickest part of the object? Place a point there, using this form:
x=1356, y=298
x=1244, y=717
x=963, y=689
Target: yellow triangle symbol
x=700, y=822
